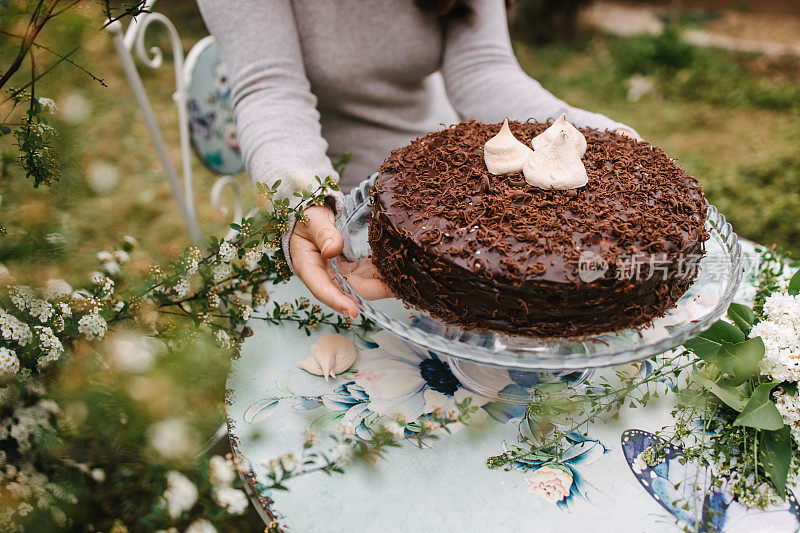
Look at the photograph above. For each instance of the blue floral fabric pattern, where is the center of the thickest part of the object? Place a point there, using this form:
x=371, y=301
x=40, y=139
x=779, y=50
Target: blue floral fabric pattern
x=394, y=380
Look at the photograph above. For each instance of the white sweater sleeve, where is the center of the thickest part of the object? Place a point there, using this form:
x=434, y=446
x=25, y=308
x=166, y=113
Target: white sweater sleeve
x=485, y=82
x=276, y=114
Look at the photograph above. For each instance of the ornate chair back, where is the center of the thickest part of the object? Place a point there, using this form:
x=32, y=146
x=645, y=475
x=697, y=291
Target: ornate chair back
x=205, y=119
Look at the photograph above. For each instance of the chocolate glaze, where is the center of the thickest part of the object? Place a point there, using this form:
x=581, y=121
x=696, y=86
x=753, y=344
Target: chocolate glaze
x=494, y=253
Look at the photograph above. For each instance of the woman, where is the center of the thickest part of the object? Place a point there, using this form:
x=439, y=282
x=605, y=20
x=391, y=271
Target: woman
x=313, y=79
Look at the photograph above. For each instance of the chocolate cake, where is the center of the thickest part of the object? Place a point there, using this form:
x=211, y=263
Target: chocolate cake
x=491, y=252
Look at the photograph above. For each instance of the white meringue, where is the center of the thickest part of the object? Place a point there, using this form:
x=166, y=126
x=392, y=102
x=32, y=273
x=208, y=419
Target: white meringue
x=330, y=355
x=574, y=137
x=556, y=165
x=503, y=153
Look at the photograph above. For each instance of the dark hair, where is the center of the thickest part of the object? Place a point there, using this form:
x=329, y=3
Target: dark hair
x=456, y=9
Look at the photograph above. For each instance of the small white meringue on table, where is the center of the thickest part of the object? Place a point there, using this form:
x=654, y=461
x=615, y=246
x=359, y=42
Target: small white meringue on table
x=330, y=355
x=503, y=153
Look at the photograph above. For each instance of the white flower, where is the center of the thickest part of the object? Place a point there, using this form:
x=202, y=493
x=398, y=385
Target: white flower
x=783, y=308
x=272, y=465
x=121, y=256
x=92, y=325
x=789, y=408
x=9, y=363
x=780, y=332
x=112, y=268
x=223, y=339
x=104, y=256
x=172, y=438
x=395, y=429
x=233, y=500
x=252, y=258
x=41, y=309
x=75, y=108
x=13, y=329
x=341, y=454
x=201, y=525
x=105, y=283
x=64, y=309
x=132, y=352
x=48, y=104
x=290, y=462
x=181, y=494
x=49, y=344
x=346, y=429
x=214, y=300
x=181, y=288
x=782, y=350
x=226, y=252
x=98, y=474
x=21, y=296
x=222, y=271
x=221, y=471
x=24, y=509
x=56, y=289
x=551, y=484
x=130, y=241
x=102, y=176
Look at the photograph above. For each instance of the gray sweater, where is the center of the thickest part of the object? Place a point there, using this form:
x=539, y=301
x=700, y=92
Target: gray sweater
x=315, y=78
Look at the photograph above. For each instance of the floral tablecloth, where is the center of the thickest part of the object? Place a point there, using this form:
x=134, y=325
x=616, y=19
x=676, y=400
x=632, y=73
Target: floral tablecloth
x=602, y=483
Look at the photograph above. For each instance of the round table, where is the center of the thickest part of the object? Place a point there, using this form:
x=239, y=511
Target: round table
x=445, y=484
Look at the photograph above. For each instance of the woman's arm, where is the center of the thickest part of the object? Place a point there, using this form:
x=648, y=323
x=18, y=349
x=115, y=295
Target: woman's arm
x=278, y=123
x=485, y=82
x=276, y=114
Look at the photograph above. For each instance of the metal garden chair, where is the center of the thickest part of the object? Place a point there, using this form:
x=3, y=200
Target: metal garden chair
x=202, y=97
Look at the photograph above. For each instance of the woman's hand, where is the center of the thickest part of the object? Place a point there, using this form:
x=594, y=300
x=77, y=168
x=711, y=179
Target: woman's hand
x=312, y=245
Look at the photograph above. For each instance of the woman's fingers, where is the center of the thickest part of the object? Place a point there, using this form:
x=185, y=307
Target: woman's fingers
x=321, y=230
x=363, y=277
x=311, y=267
x=311, y=245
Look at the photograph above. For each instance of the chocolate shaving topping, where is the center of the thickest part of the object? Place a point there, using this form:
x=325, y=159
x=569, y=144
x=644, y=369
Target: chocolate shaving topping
x=492, y=252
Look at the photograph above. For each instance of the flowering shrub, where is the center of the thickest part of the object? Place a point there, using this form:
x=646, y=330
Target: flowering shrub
x=54, y=453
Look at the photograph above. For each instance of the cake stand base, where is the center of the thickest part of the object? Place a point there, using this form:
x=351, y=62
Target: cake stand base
x=512, y=385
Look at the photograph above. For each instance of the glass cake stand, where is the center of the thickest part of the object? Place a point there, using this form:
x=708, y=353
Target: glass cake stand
x=507, y=367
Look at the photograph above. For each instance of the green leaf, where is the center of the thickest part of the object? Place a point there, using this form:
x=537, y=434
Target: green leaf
x=733, y=397
x=283, y=380
x=741, y=360
x=742, y=316
x=794, y=284
x=776, y=455
x=760, y=411
x=708, y=343
x=325, y=420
